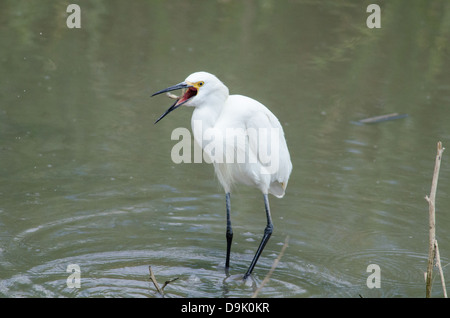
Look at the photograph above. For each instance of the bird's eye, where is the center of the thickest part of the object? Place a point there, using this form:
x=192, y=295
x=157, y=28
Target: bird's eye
x=200, y=83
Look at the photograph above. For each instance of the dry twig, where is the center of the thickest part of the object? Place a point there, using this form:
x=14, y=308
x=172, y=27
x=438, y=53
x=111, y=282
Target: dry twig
x=377, y=119
x=153, y=279
x=274, y=265
x=433, y=251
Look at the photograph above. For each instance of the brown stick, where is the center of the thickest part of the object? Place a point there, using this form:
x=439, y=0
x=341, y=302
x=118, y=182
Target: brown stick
x=433, y=251
x=153, y=279
x=381, y=118
x=274, y=265
x=441, y=273
x=377, y=118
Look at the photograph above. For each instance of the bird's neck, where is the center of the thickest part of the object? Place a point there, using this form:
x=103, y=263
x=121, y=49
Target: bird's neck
x=204, y=118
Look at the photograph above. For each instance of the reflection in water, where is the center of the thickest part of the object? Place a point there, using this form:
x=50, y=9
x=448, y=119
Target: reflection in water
x=87, y=179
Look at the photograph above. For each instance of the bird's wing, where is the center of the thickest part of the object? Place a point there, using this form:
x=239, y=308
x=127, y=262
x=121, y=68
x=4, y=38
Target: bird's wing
x=270, y=148
x=259, y=138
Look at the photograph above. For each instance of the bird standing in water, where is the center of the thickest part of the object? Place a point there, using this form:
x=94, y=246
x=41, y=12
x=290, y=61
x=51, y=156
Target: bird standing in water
x=242, y=138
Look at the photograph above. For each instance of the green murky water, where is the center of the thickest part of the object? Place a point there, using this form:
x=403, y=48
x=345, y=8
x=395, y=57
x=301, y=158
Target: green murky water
x=87, y=179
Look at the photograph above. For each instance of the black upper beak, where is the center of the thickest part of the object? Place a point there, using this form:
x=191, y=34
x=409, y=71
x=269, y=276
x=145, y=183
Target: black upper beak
x=172, y=88
x=175, y=105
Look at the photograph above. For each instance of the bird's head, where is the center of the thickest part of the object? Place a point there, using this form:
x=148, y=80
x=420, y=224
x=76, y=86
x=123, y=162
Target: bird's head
x=200, y=88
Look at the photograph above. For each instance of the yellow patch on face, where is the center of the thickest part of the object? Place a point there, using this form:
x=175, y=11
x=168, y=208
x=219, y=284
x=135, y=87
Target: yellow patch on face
x=198, y=84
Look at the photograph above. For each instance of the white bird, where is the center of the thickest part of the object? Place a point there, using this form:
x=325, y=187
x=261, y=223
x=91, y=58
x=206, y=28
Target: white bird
x=242, y=138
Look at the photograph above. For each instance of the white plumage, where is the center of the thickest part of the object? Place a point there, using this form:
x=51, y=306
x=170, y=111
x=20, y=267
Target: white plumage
x=241, y=137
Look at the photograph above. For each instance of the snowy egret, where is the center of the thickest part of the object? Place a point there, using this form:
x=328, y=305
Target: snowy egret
x=242, y=138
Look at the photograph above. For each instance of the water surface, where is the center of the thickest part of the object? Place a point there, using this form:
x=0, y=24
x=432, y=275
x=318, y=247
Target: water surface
x=87, y=179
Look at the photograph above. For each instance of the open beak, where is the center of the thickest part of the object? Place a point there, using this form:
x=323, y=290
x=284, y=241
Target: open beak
x=190, y=93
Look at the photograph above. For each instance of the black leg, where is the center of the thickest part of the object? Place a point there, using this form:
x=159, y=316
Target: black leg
x=229, y=233
x=267, y=233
